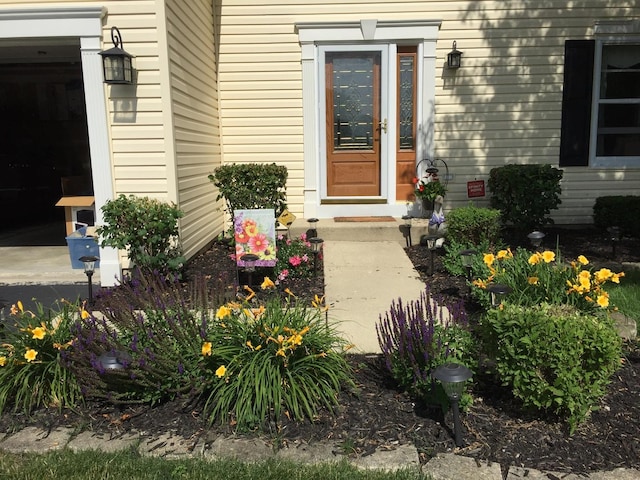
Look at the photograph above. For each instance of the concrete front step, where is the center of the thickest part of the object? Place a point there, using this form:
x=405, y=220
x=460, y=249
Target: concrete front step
x=365, y=231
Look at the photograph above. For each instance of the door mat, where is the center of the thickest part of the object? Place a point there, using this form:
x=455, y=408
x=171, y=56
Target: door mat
x=364, y=219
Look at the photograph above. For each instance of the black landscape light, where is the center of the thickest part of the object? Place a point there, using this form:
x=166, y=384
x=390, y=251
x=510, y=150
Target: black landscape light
x=614, y=237
x=454, y=57
x=89, y=262
x=316, y=246
x=249, y=260
x=467, y=261
x=113, y=361
x=498, y=293
x=116, y=62
x=453, y=377
x=312, y=231
x=432, y=244
x=407, y=229
x=535, y=238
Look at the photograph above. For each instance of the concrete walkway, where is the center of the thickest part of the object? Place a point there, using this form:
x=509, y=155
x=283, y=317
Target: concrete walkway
x=362, y=279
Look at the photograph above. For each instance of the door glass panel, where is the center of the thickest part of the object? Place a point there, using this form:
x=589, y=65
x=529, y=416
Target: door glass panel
x=406, y=92
x=352, y=78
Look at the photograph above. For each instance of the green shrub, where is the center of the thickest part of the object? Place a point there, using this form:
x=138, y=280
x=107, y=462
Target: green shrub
x=554, y=358
x=525, y=194
x=251, y=185
x=620, y=211
x=279, y=358
x=473, y=225
x=147, y=229
x=415, y=339
x=542, y=277
x=33, y=367
x=452, y=260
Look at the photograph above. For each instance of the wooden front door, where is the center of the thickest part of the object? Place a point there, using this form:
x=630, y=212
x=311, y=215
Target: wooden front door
x=353, y=124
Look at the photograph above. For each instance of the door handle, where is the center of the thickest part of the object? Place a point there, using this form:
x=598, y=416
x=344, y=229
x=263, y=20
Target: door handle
x=383, y=125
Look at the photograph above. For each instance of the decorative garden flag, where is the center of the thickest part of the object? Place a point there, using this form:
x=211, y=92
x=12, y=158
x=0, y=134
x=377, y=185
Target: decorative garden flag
x=255, y=232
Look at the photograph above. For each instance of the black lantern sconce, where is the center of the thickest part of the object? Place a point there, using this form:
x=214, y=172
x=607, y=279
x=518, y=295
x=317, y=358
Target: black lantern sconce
x=89, y=262
x=116, y=62
x=249, y=260
x=498, y=293
x=467, y=262
x=535, y=238
x=453, y=57
x=312, y=231
x=453, y=377
x=406, y=229
x=316, y=245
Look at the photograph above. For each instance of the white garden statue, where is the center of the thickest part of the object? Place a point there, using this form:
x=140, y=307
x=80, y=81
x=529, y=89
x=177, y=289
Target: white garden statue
x=437, y=223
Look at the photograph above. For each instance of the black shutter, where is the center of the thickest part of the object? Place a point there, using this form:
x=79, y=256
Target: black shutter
x=576, y=102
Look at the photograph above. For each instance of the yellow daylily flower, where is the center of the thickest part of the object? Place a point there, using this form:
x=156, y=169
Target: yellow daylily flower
x=30, y=355
x=289, y=292
x=3, y=361
x=488, y=259
x=223, y=312
x=532, y=280
x=504, y=254
x=603, y=300
x=39, y=333
x=583, y=260
x=221, y=371
x=84, y=314
x=206, y=349
x=603, y=275
x=534, y=259
x=267, y=283
x=548, y=256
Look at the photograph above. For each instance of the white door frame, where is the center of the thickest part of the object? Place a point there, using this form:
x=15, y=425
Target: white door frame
x=312, y=37
x=84, y=23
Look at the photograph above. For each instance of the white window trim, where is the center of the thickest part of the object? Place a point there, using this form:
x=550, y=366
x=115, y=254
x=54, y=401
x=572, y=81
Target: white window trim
x=609, y=32
x=84, y=23
x=315, y=34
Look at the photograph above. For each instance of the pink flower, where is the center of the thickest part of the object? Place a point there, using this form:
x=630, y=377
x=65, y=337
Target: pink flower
x=305, y=258
x=283, y=274
x=295, y=260
x=303, y=237
x=258, y=243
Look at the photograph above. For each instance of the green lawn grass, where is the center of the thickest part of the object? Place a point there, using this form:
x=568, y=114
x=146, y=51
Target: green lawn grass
x=626, y=295
x=129, y=465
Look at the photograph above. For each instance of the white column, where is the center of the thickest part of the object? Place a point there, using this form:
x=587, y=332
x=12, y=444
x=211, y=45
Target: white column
x=99, y=147
x=310, y=129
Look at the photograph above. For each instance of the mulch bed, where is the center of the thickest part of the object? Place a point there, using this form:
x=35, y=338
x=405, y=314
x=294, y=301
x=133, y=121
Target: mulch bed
x=376, y=414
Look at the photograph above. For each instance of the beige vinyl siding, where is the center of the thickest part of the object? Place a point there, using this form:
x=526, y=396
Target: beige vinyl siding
x=194, y=105
x=503, y=106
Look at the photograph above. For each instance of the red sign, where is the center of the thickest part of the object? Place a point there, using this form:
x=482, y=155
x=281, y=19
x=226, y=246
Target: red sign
x=475, y=188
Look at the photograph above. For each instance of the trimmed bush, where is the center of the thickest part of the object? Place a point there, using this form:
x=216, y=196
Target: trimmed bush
x=554, y=357
x=474, y=225
x=251, y=185
x=620, y=211
x=525, y=194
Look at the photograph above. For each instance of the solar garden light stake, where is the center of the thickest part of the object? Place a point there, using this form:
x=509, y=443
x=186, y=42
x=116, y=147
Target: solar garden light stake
x=535, y=238
x=112, y=361
x=453, y=376
x=467, y=262
x=312, y=231
x=407, y=229
x=89, y=262
x=249, y=260
x=431, y=245
x=498, y=293
x=316, y=245
x=614, y=238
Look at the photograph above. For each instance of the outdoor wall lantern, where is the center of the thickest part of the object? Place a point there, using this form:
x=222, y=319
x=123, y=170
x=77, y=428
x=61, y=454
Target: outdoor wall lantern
x=316, y=245
x=467, y=262
x=312, y=231
x=407, y=229
x=498, y=293
x=249, y=260
x=116, y=62
x=89, y=262
x=453, y=57
x=453, y=377
x=535, y=238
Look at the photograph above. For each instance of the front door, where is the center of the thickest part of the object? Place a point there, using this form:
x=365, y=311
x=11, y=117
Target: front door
x=355, y=123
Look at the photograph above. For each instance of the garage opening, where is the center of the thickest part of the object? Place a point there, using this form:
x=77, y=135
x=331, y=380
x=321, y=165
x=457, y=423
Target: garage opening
x=44, y=153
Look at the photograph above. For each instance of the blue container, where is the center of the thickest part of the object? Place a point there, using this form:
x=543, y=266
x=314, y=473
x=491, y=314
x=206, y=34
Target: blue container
x=79, y=246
